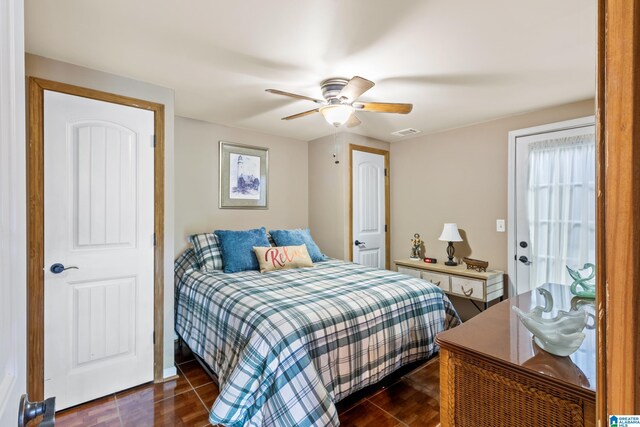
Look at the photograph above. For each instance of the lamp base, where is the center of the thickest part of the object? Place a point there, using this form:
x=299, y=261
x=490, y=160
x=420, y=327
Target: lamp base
x=450, y=251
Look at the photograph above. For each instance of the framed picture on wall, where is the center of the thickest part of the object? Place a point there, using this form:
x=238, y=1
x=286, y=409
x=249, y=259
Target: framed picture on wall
x=244, y=172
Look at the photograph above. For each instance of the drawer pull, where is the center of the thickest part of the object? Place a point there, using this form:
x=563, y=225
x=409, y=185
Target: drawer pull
x=467, y=293
x=437, y=283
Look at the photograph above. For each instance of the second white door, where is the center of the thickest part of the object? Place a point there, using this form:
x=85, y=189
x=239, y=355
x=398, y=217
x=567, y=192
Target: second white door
x=99, y=247
x=369, y=216
x=554, y=224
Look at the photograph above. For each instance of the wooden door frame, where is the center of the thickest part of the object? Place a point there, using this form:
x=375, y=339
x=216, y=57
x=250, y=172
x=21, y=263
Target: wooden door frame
x=35, y=224
x=618, y=208
x=387, y=206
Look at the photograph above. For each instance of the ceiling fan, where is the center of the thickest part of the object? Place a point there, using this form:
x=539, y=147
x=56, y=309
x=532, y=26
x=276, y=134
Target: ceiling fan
x=339, y=103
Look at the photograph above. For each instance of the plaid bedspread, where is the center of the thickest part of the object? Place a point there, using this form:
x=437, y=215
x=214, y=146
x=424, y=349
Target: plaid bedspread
x=287, y=345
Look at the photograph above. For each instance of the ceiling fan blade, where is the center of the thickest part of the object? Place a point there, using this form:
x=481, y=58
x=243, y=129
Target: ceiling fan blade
x=353, y=121
x=383, y=107
x=293, y=95
x=356, y=87
x=297, y=116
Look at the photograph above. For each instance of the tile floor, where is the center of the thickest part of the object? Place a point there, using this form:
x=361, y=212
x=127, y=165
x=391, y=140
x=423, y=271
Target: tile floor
x=411, y=400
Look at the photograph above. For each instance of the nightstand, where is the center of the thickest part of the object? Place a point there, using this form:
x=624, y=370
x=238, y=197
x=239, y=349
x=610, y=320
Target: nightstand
x=457, y=280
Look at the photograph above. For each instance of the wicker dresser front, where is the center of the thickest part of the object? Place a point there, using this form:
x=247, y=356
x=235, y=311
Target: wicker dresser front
x=485, y=395
x=479, y=388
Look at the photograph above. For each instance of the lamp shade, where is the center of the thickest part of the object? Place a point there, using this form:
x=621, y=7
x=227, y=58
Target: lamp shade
x=336, y=114
x=450, y=233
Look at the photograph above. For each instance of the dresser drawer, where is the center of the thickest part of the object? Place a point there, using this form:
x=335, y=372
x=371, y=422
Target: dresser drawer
x=440, y=280
x=467, y=288
x=409, y=271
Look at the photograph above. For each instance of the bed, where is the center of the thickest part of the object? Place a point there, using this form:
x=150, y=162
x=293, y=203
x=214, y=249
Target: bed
x=287, y=345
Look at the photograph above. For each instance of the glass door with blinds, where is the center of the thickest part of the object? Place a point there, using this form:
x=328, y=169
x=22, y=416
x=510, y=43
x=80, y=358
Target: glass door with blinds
x=553, y=221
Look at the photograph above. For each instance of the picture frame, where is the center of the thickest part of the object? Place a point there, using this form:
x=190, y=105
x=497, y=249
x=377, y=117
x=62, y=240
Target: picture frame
x=243, y=180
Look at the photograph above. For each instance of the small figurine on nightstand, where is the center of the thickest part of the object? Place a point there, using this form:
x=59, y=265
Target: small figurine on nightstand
x=416, y=242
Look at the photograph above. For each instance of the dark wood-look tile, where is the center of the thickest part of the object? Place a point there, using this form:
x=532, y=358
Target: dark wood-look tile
x=349, y=402
x=100, y=412
x=184, y=409
x=196, y=375
x=208, y=393
x=406, y=401
x=154, y=392
x=182, y=355
x=366, y=414
x=409, y=400
x=427, y=379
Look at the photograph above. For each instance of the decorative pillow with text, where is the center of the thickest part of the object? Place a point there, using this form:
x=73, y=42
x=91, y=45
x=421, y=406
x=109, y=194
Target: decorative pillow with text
x=298, y=237
x=282, y=257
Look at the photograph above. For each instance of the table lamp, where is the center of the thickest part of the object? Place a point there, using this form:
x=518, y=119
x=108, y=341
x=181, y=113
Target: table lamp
x=450, y=234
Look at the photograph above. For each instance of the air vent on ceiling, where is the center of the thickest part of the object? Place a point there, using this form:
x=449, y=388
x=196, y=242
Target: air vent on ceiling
x=405, y=132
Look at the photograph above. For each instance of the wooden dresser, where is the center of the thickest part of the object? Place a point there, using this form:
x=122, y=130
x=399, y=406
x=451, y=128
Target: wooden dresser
x=457, y=280
x=492, y=374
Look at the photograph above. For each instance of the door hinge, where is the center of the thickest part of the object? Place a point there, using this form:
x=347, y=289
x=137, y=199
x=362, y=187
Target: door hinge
x=154, y=337
x=153, y=141
x=385, y=171
x=155, y=240
x=385, y=228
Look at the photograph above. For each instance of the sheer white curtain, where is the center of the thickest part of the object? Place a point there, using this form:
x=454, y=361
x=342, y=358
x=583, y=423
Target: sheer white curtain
x=561, y=207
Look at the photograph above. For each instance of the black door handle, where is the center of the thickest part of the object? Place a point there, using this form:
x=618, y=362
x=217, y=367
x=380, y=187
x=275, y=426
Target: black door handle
x=358, y=243
x=58, y=268
x=523, y=259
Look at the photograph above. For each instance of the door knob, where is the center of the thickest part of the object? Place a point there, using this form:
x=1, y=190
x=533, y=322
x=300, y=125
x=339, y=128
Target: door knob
x=58, y=268
x=358, y=243
x=523, y=259
x=30, y=410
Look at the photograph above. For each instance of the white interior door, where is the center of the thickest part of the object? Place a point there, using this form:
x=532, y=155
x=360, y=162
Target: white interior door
x=99, y=216
x=13, y=283
x=554, y=224
x=369, y=228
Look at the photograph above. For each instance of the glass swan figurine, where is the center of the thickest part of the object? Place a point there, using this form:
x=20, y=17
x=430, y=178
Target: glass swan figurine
x=586, y=284
x=561, y=335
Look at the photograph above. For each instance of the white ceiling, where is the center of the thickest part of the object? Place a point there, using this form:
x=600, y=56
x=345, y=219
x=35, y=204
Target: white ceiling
x=457, y=61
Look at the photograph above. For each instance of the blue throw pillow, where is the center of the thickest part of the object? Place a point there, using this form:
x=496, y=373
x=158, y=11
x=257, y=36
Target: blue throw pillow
x=237, y=248
x=296, y=238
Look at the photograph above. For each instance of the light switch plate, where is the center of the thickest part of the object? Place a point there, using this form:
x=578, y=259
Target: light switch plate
x=500, y=225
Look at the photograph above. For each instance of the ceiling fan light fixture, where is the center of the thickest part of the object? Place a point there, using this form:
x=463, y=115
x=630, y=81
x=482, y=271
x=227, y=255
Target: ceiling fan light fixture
x=336, y=115
x=340, y=102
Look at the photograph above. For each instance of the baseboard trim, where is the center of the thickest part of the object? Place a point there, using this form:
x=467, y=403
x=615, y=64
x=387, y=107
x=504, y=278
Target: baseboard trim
x=169, y=372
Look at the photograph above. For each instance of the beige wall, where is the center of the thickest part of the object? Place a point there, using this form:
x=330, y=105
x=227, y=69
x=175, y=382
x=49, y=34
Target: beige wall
x=38, y=66
x=460, y=176
x=329, y=191
x=196, y=164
